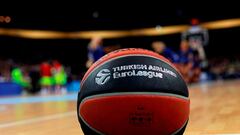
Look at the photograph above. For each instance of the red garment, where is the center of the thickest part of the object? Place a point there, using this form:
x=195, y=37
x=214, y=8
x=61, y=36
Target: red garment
x=56, y=65
x=45, y=69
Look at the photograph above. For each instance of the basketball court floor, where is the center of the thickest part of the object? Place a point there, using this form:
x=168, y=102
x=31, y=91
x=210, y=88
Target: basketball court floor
x=215, y=109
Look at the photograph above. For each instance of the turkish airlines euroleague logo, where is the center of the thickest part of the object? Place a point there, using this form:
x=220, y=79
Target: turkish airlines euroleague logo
x=102, y=76
x=133, y=70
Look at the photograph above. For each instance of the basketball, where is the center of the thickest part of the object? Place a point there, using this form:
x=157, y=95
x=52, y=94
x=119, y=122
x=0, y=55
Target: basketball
x=133, y=91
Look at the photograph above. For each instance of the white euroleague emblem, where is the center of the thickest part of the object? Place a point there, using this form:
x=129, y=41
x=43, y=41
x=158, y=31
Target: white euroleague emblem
x=102, y=76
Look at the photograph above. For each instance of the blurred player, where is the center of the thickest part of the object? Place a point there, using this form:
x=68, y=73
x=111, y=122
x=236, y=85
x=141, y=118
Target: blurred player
x=197, y=38
x=60, y=77
x=19, y=77
x=46, y=80
x=95, y=51
x=188, y=63
x=34, y=74
x=160, y=48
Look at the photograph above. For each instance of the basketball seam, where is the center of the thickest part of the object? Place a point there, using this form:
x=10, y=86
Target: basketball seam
x=114, y=58
x=135, y=93
x=95, y=130
x=175, y=133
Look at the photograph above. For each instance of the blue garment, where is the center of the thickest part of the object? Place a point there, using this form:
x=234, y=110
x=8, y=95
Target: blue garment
x=170, y=55
x=74, y=86
x=95, y=54
x=186, y=56
x=189, y=56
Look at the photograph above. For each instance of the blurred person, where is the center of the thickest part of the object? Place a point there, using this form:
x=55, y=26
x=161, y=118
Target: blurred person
x=160, y=48
x=95, y=51
x=2, y=79
x=25, y=70
x=5, y=68
x=46, y=80
x=59, y=76
x=197, y=38
x=218, y=67
x=35, y=77
x=188, y=63
x=20, y=77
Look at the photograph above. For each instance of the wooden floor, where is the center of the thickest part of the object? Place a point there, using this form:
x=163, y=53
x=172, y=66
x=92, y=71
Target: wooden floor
x=215, y=109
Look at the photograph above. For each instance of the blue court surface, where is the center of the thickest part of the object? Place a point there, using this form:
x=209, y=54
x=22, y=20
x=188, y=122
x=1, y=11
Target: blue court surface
x=38, y=99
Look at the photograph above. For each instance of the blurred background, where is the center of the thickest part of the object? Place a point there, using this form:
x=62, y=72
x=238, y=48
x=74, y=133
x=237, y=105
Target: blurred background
x=50, y=54
x=44, y=57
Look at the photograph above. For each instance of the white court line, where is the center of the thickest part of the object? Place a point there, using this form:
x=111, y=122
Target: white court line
x=39, y=119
